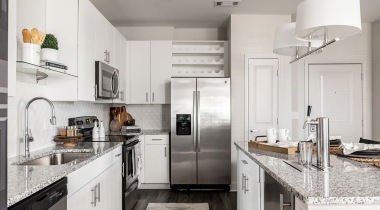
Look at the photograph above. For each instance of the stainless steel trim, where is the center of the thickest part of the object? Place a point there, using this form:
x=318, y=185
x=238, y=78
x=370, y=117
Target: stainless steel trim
x=246, y=185
x=244, y=161
x=153, y=97
x=194, y=120
x=96, y=91
x=323, y=143
x=198, y=121
x=118, y=81
x=282, y=204
x=122, y=169
x=93, y=200
x=98, y=185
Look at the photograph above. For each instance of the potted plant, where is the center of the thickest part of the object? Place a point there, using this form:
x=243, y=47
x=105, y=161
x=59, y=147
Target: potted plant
x=49, y=49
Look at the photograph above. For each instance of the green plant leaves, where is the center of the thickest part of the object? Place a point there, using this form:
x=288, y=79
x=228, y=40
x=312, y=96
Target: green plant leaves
x=50, y=42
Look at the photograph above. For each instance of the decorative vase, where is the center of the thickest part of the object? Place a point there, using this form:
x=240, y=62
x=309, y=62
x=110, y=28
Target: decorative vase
x=49, y=54
x=31, y=53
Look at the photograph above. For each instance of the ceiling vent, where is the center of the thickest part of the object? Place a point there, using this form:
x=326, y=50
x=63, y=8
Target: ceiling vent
x=227, y=3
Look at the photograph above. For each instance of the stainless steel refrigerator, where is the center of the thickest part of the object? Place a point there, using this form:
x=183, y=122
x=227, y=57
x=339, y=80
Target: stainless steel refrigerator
x=200, y=144
x=3, y=101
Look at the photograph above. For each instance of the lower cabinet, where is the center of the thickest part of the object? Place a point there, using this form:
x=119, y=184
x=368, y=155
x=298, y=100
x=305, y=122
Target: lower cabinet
x=248, y=184
x=104, y=192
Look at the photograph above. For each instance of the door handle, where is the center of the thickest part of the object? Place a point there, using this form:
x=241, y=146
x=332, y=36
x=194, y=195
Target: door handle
x=146, y=97
x=105, y=57
x=153, y=97
x=122, y=170
x=109, y=57
x=282, y=204
x=198, y=121
x=195, y=121
x=246, y=185
x=244, y=161
x=243, y=182
x=98, y=185
x=165, y=151
x=253, y=130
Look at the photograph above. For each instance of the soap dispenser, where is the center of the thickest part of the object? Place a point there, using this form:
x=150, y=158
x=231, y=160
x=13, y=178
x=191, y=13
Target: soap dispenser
x=102, y=132
x=95, y=131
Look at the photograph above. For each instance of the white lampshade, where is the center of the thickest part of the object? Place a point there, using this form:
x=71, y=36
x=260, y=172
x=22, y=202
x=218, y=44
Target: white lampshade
x=285, y=42
x=339, y=18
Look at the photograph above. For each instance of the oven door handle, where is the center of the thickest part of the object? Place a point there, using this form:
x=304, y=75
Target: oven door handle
x=132, y=188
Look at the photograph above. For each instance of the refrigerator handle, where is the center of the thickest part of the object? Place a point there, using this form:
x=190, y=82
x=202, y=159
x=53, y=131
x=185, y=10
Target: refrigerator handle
x=198, y=121
x=195, y=121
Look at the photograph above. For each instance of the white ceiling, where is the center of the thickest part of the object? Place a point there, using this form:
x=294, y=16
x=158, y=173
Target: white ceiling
x=201, y=13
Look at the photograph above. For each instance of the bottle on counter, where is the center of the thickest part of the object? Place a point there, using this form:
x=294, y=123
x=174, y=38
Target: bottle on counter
x=95, y=131
x=76, y=131
x=63, y=131
x=102, y=132
x=70, y=131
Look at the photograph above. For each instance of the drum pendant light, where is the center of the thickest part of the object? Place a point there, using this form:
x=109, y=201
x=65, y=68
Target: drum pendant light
x=328, y=20
x=285, y=42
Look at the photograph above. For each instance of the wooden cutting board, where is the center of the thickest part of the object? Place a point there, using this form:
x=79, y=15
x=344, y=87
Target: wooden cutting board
x=271, y=148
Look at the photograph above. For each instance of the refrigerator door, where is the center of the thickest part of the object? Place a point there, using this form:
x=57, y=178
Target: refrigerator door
x=183, y=158
x=214, y=131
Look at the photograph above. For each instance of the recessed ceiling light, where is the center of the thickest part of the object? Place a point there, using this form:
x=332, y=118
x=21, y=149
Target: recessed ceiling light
x=227, y=3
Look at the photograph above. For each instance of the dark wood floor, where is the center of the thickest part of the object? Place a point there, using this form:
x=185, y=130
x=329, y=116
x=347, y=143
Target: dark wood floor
x=217, y=200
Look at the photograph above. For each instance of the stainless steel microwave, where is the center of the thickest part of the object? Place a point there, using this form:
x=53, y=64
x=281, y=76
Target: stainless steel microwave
x=106, y=81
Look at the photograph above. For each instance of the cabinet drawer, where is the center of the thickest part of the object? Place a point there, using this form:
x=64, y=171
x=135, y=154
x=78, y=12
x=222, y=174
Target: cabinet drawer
x=156, y=139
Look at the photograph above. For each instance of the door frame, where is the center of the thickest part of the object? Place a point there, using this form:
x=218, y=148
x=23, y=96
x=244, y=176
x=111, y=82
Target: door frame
x=365, y=86
x=247, y=57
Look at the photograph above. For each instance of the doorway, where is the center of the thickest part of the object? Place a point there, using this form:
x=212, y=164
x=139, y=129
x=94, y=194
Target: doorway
x=336, y=91
x=263, y=103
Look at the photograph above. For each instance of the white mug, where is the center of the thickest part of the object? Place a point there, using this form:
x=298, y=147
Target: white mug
x=283, y=135
x=271, y=135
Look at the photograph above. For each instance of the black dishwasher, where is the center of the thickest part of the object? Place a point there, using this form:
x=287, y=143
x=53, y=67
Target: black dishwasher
x=53, y=197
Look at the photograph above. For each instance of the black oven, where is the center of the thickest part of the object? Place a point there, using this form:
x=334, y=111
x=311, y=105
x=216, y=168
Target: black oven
x=130, y=174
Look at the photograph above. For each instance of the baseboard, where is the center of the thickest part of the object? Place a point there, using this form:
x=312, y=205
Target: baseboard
x=154, y=186
x=233, y=187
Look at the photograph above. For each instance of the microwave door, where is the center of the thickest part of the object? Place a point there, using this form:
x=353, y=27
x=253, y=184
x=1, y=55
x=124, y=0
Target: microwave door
x=107, y=83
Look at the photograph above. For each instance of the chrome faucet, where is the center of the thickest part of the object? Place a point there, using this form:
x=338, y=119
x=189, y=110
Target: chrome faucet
x=28, y=135
x=323, y=142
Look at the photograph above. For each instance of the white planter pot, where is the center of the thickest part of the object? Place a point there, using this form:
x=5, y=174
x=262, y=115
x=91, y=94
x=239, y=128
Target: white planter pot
x=30, y=53
x=49, y=54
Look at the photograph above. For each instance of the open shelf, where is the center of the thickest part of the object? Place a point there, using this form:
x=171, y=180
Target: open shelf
x=41, y=72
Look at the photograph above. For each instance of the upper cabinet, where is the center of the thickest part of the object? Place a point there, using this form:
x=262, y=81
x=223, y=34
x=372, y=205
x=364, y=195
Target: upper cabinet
x=98, y=40
x=150, y=72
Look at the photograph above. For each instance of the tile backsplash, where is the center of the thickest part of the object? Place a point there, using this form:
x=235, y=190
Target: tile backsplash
x=150, y=116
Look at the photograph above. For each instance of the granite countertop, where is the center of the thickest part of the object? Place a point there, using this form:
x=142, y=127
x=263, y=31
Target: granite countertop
x=347, y=182
x=24, y=181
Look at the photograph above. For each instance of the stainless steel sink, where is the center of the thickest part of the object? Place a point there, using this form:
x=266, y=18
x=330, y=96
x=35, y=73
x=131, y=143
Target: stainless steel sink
x=58, y=158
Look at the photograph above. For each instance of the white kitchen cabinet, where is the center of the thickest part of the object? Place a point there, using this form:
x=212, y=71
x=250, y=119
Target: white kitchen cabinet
x=140, y=72
x=150, y=65
x=155, y=157
x=156, y=164
x=248, y=184
x=161, y=69
x=103, y=192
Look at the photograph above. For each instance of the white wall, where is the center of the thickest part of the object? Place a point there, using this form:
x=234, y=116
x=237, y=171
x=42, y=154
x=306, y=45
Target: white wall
x=253, y=34
x=171, y=33
x=150, y=116
x=352, y=50
x=375, y=80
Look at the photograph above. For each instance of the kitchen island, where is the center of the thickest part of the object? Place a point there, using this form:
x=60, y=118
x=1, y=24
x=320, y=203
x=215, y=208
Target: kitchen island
x=346, y=185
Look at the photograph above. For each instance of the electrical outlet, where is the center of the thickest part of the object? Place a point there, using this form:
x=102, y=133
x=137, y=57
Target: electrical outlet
x=313, y=128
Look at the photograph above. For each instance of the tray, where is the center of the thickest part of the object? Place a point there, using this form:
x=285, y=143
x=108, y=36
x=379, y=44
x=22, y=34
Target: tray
x=65, y=139
x=340, y=153
x=265, y=146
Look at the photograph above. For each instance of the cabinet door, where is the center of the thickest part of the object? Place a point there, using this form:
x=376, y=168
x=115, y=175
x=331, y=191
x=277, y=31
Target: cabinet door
x=84, y=198
x=100, y=37
x=114, y=187
x=156, y=163
x=86, y=51
x=161, y=68
x=252, y=183
x=140, y=72
x=240, y=185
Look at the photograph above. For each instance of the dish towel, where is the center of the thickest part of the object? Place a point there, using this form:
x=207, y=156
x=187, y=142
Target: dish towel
x=349, y=148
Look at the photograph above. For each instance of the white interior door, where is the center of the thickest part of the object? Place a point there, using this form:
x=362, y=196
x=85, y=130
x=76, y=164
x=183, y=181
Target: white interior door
x=263, y=96
x=335, y=91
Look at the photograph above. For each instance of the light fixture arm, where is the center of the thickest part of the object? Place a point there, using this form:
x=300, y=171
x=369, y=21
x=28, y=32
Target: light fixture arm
x=316, y=50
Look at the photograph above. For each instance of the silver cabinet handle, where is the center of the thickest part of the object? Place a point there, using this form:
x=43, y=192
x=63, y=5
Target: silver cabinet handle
x=242, y=181
x=253, y=130
x=246, y=185
x=198, y=121
x=109, y=57
x=244, y=161
x=106, y=55
x=146, y=96
x=98, y=191
x=96, y=91
x=156, y=139
x=282, y=204
x=165, y=151
x=122, y=170
x=153, y=97
x=117, y=155
x=194, y=121
x=93, y=200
